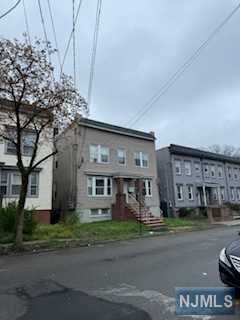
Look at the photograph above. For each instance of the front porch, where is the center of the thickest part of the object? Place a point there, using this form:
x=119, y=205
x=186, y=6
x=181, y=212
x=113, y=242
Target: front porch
x=130, y=201
x=209, y=195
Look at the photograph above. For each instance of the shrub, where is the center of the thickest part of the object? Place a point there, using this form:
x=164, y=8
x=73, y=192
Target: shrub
x=233, y=206
x=71, y=218
x=8, y=220
x=185, y=212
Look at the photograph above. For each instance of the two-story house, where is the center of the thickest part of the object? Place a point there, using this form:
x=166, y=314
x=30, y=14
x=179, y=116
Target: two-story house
x=103, y=172
x=194, y=178
x=39, y=195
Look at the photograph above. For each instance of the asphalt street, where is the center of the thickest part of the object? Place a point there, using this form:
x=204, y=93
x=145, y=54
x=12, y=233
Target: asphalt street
x=124, y=280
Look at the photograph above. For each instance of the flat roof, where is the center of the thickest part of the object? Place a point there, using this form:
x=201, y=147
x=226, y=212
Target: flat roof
x=193, y=152
x=116, y=129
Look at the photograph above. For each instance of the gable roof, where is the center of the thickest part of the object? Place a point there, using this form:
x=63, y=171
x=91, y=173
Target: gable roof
x=103, y=126
x=192, y=152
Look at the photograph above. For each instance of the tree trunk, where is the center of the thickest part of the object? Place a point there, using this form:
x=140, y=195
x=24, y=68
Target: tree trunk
x=20, y=212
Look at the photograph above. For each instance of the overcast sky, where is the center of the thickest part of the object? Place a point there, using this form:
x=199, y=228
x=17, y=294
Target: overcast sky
x=141, y=43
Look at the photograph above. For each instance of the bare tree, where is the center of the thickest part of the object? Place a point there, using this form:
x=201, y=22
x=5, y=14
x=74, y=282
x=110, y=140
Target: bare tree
x=227, y=150
x=33, y=102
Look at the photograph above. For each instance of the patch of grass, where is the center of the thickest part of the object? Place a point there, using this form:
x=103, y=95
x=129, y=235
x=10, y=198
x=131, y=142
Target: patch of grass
x=174, y=223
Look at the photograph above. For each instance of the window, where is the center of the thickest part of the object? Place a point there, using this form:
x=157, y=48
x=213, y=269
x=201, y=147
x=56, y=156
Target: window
x=11, y=181
x=33, y=184
x=222, y=191
x=178, y=168
x=4, y=183
x=232, y=194
x=99, y=154
x=188, y=169
x=236, y=174
x=16, y=182
x=28, y=139
x=190, y=192
x=229, y=172
x=238, y=194
x=220, y=171
x=99, y=212
x=197, y=168
x=147, y=188
x=180, y=192
x=99, y=186
x=141, y=159
x=121, y=156
x=215, y=194
x=213, y=171
x=206, y=170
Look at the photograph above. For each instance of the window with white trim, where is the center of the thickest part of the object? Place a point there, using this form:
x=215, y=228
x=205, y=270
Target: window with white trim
x=238, y=194
x=178, y=168
x=99, y=186
x=229, y=172
x=215, y=194
x=99, y=153
x=141, y=159
x=28, y=139
x=220, y=171
x=179, y=192
x=197, y=167
x=121, y=156
x=11, y=181
x=147, y=188
x=213, y=171
x=222, y=191
x=232, y=194
x=206, y=170
x=235, y=173
x=100, y=212
x=188, y=168
x=190, y=192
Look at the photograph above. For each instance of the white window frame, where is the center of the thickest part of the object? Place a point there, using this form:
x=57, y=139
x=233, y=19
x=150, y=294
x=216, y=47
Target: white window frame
x=178, y=166
x=206, y=170
x=232, y=194
x=220, y=171
x=148, y=188
x=213, y=170
x=179, y=192
x=187, y=167
x=96, y=155
x=215, y=194
x=235, y=173
x=197, y=167
x=238, y=193
x=92, y=185
x=100, y=212
x=230, y=173
x=190, y=192
x=222, y=191
x=28, y=139
x=139, y=155
x=119, y=157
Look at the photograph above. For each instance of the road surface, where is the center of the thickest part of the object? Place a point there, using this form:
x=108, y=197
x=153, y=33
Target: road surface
x=126, y=280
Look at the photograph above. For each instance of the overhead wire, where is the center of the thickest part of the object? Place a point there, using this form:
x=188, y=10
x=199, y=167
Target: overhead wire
x=10, y=10
x=74, y=42
x=26, y=22
x=171, y=81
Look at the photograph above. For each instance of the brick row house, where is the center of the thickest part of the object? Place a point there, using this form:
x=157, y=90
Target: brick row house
x=39, y=195
x=192, y=178
x=106, y=172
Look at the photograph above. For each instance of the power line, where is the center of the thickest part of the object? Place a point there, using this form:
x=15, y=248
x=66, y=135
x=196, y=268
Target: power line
x=10, y=10
x=44, y=29
x=170, y=82
x=26, y=22
x=94, y=51
x=54, y=32
x=74, y=42
x=71, y=35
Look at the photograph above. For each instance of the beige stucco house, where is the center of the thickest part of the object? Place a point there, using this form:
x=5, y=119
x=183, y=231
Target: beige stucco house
x=106, y=172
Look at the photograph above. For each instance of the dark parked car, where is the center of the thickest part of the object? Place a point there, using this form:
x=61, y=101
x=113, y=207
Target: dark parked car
x=229, y=264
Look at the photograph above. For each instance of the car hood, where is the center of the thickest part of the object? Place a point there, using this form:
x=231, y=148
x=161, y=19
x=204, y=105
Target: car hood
x=234, y=248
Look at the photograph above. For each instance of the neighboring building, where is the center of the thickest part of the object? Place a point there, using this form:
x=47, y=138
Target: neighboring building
x=39, y=195
x=194, y=178
x=104, y=171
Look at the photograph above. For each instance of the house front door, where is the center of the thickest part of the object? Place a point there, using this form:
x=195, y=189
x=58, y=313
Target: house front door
x=125, y=189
